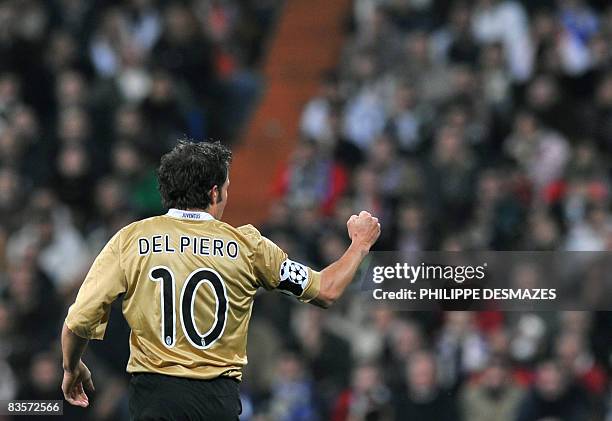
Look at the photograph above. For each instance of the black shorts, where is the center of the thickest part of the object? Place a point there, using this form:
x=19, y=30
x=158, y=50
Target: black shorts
x=160, y=397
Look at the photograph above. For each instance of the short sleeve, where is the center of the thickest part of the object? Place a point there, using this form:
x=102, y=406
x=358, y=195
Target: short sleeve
x=88, y=316
x=273, y=269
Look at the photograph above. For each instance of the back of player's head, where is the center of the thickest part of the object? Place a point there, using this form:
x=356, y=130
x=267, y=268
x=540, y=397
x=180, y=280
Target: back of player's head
x=189, y=171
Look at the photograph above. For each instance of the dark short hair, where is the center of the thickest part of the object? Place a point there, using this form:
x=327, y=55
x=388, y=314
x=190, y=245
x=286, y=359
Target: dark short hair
x=188, y=172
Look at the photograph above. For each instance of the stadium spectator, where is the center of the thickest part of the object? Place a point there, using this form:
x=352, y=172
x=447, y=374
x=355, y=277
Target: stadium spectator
x=494, y=396
x=368, y=398
x=423, y=397
x=311, y=179
x=553, y=396
x=541, y=153
x=461, y=349
x=292, y=395
x=328, y=355
x=575, y=358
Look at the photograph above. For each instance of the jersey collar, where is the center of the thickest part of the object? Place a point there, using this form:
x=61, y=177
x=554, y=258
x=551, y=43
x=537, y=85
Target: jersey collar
x=190, y=215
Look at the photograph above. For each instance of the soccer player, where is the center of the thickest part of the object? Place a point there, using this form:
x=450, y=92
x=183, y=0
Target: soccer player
x=188, y=281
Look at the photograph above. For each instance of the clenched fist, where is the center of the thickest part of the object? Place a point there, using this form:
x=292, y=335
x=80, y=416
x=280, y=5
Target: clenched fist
x=363, y=230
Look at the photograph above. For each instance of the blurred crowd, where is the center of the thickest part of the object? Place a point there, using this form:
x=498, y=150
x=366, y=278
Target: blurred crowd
x=483, y=124
x=463, y=125
x=92, y=92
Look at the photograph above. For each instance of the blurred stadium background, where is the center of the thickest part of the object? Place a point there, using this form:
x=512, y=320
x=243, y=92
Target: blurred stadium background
x=483, y=124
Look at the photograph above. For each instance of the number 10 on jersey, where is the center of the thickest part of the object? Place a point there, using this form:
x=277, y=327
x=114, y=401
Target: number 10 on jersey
x=186, y=306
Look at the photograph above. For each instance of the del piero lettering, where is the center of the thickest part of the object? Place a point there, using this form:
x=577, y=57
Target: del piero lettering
x=198, y=246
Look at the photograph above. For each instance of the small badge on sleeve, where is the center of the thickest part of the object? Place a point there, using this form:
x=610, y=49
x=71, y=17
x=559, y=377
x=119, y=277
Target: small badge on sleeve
x=293, y=278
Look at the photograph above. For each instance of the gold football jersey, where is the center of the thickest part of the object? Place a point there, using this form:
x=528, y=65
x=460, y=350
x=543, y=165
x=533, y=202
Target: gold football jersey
x=188, y=282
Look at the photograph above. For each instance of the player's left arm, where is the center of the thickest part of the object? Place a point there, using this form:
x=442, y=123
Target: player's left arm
x=87, y=319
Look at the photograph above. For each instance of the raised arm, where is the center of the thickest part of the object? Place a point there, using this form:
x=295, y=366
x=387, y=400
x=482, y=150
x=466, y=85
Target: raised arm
x=363, y=230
